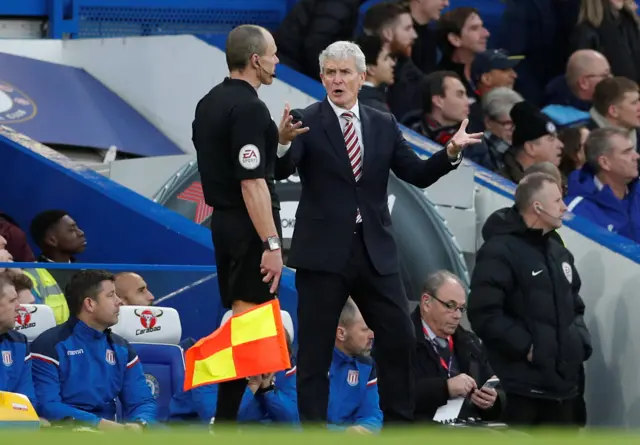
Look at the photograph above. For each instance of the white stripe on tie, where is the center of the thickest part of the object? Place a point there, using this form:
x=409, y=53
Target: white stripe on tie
x=353, y=151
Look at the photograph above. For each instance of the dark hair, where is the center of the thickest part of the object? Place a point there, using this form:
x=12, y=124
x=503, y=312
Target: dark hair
x=43, y=222
x=85, y=284
x=452, y=22
x=5, y=280
x=433, y=85
x=371, y=47
x=21, y=281
x=381, y=15
x=529, y=186
x=242, y=43
x=611, y=91
x=571, y=138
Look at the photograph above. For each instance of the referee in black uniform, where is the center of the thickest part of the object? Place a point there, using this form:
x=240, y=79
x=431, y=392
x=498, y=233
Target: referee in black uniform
x=237, y=144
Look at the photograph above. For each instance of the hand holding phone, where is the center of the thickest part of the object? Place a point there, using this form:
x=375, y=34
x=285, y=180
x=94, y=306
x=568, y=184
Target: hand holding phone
x=491, y=383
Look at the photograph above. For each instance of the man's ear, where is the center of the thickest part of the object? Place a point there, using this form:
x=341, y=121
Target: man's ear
x=341, y=333
x=454, y=40
x=437, y=101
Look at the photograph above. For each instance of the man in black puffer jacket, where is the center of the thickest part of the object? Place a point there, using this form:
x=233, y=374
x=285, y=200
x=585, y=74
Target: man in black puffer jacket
x=310, y=27
x=525, y=306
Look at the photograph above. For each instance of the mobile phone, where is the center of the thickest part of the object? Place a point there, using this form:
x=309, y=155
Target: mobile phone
x=491, y=383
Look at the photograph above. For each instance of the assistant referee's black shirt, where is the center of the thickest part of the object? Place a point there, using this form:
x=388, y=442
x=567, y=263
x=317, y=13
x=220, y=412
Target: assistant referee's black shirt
x=235, y=139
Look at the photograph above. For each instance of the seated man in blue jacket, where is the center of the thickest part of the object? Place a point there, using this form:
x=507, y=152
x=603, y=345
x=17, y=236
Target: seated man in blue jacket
x=353, y=384
x=605, y=191
x=268, y=398
x=80, y=367
x=15, y=374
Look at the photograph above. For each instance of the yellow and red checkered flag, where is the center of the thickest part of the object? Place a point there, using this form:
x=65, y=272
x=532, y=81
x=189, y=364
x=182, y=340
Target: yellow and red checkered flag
x=250, y=343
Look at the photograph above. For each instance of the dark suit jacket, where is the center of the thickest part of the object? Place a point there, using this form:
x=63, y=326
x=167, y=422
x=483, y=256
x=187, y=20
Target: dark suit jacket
x=325, y=220
x=431, y=378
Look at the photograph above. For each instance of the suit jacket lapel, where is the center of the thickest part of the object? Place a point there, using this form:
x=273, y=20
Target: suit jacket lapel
x=334, y=133
x=366, y=144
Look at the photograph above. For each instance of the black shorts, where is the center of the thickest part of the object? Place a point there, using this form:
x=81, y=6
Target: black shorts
x=238, y=250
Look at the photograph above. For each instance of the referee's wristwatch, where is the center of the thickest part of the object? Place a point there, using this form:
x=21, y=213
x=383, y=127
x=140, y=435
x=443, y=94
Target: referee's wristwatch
x=272, y=243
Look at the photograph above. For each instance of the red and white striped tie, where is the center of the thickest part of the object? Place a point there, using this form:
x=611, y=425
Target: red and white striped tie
x=353, y=150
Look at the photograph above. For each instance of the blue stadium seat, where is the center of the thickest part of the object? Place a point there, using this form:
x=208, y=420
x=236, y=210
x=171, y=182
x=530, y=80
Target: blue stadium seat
x=155, y=334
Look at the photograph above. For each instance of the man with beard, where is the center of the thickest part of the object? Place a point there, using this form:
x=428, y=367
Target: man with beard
x=392, y=22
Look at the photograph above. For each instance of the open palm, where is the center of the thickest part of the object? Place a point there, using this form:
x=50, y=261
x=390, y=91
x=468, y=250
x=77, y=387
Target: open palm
x=461, y=139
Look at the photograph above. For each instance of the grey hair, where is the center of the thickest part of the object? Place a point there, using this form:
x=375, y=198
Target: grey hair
x=342, y=50
x=528, y=189
x=348, y=314
x=499, y=102
x=599, y=144
x=436, y=279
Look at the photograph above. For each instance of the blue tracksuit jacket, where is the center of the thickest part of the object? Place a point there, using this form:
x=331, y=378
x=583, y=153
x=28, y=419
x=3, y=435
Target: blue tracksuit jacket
x=15, y=370
x=279, y=405
x=353, y=393
x=602, y=207
x=78, y=372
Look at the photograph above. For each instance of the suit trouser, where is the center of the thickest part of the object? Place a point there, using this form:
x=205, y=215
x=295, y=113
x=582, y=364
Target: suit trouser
x=529, y=411
x=384, y=306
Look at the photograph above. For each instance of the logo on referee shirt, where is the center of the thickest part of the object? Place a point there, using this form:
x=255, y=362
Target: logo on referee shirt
x=249, y=157
x=568, y=273
x=353, y=377
x=111, y=357
x=7, y=358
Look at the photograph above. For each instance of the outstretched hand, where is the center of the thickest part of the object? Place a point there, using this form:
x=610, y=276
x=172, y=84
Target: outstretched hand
x=461, y=139
x=288, y=131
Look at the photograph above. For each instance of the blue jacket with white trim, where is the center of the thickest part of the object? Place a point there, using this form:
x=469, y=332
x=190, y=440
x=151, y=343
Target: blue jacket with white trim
x=353, y=393
x=599, y=205
x=279, y=405
x=15, y=371
x=78, y=372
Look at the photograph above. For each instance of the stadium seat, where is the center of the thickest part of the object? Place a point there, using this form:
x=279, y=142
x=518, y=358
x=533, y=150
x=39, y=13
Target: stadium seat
x=155, y=332
x=33, y=319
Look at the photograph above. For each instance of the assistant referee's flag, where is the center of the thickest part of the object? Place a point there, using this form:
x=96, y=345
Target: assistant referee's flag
x=250, y=343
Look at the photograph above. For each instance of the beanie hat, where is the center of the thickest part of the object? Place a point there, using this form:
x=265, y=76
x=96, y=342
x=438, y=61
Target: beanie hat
x=530, y=123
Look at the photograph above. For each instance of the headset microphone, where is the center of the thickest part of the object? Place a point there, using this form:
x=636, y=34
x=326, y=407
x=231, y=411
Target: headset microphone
x=272, y=75
x=540, y=209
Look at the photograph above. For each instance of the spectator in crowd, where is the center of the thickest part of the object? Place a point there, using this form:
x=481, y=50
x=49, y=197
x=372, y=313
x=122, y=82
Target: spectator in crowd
x=132, y=289
x=534, y=140
x=605, y=191
x=353, y=384
x=59, y=239
x=489, y=70
x=425, y=49
x=573, y=157
x=526, y=308
x=15, y=375
x=610, y=27
x=450, y=361
x=15, y=239
x=461, y=35
x=498, y=136
x=380, y=65
x=444, y=106
x=616, y=104
x=391, y=21
x=539, y=31
x=81, y=366
x=267, y=399
x=5, y=257
x=24, y=288
x=586, y=68
x=310, y=27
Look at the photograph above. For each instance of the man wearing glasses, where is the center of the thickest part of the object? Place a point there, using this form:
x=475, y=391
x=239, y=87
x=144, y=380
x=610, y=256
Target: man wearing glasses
x=450, y=362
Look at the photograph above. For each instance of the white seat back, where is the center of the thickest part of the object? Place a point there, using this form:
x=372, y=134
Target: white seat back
x=33, y=319
x=149, y=324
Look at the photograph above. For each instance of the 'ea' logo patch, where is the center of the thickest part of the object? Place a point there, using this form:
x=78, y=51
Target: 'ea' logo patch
x=568, y=272
x=249, y=157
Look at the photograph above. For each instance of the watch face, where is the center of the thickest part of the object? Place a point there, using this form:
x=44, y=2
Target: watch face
x=274, y=244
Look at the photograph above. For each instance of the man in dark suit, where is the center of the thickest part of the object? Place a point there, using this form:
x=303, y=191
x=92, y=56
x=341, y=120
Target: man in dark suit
x=343, y=244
